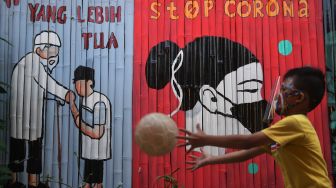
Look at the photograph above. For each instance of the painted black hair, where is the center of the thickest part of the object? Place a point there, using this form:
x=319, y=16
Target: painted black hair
x=84, y=73
x=310, y=81
x=206, y=61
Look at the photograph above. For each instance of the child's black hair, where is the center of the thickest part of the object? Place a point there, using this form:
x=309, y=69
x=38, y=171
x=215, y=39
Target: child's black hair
x=310, y=81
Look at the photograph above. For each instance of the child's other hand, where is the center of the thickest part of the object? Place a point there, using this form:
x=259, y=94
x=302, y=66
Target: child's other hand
x=198, y=161
x=74, y=110
x=195, y=140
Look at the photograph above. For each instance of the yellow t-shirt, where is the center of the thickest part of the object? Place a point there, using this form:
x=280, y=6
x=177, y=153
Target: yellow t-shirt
x=298, y=152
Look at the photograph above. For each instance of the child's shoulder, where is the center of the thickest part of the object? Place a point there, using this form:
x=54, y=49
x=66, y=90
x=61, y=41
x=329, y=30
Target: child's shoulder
x=294, y=119
x=299, y=119
x=100, y=97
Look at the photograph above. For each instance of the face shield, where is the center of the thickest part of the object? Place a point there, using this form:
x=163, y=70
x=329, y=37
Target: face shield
x=274, y=103
x=277, y=102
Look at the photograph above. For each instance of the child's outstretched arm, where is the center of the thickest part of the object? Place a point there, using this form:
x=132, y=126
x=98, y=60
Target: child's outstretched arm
x=238, y=156
x=200, y=139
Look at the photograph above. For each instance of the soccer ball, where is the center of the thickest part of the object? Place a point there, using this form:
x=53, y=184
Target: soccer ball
x=156, y=134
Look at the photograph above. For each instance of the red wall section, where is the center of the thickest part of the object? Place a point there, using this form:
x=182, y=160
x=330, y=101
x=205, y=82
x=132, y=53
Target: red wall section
x=261, y=35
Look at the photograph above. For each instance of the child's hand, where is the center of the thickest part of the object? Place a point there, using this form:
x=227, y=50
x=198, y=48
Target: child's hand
x=199, y=161
x=195, y=140
x=70, y=97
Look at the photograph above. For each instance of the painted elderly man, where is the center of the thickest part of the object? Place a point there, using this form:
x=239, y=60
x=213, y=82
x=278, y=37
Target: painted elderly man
x=31, y=81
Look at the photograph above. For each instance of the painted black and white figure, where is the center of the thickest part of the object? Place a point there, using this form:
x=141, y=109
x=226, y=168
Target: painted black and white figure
x=93, y=118
x=30, y=83
x=217, y=82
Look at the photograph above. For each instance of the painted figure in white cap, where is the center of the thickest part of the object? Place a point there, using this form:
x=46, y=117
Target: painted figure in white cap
x=31, y=81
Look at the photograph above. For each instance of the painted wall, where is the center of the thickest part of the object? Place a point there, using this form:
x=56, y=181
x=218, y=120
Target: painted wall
x=232, y=53
x=208, y=62
x=95, y=34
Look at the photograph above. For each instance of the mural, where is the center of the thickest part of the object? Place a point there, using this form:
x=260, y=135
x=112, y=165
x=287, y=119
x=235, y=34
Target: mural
x=199, y=74
x=31, y=80
x=69, y=69
x=81, y=74
x=214, y=63
x=93, y=118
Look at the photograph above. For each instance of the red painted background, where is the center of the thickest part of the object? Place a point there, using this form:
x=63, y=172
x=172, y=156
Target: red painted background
x=261, y=35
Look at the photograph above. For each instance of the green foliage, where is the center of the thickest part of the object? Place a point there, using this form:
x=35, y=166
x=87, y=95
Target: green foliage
x=2, y=90
x=169, y=180
x=4, y=85
x=2, y=146
x=2, y=124
x=5, y=173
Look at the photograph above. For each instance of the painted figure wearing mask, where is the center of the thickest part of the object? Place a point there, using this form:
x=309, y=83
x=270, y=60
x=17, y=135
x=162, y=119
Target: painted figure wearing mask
x=30, y=83
x=217, y=82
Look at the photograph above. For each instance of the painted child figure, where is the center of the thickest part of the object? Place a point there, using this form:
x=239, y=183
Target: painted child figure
x=93, y=119
x=292, y=141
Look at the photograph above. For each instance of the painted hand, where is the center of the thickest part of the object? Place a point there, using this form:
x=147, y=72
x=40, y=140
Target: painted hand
x=198, y=161
x=70, y=97
x=195, y=140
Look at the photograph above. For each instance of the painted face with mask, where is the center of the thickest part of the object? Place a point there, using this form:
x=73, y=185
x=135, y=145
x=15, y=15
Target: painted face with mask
x=53, y=57
x=47, y=45
x=49, y=56
x=216, y=81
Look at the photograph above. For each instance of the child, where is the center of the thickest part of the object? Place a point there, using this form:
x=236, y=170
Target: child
x=292, y=141
x=94, y=122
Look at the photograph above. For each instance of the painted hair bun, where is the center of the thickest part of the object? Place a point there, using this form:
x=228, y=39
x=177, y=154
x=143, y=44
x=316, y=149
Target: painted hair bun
x=159, y=62
x=204, y=61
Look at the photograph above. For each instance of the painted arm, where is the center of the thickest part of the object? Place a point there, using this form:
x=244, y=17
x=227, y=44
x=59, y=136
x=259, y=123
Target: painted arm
x=200, y=139
x=238, y=156
x=96, y=132
x=48, y=83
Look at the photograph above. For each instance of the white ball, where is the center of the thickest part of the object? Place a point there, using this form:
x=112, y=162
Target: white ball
x=156, y=134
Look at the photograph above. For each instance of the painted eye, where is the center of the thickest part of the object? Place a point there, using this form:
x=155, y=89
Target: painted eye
x=248, y=90
x=213, y=99
x=249, y=86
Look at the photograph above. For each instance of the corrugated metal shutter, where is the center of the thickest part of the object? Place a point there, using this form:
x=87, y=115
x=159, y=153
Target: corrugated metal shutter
x=95, y=34
x=280, y=34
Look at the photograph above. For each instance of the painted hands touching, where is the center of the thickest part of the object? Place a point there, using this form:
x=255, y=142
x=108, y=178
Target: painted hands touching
x=70, y=97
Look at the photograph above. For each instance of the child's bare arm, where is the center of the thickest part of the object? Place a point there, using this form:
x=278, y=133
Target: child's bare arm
x=95, y=132
x=199, y=139
x=238, y=156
